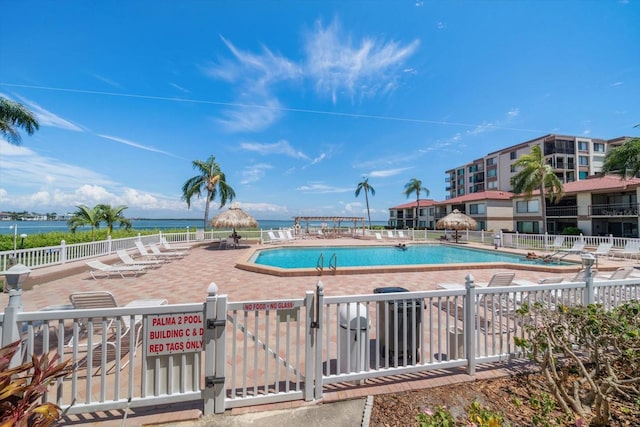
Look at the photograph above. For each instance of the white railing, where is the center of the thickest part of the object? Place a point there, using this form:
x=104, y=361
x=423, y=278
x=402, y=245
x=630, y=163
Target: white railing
x=256, y=352
x=63, y=253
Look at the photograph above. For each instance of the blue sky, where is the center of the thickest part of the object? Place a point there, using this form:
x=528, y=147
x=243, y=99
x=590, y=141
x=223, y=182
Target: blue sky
x=298, y=100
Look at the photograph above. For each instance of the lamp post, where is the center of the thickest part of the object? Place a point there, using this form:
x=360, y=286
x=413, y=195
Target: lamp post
x=588, y=260
x=22, y=237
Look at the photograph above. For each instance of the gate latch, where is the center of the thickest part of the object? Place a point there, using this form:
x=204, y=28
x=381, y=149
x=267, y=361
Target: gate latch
x=213, y=323
x=211, y=381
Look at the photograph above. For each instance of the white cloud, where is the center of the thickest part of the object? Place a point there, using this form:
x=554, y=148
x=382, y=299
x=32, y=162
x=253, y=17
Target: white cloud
x=387, y=173
x=321, y=188
x=617, y=84
x=441, y=25
x=262, y=208
x=254, y=173
x=107, y=81
x=47, y=118
x=136, y=145
x=367, y=69
x=280, y=147
x=180, y=88
x=251, y=118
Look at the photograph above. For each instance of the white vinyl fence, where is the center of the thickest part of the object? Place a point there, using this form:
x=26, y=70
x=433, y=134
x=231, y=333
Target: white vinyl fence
x=223, y=354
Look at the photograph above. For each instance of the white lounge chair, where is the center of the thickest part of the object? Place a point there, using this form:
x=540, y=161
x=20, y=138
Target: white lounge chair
x=557, y=244
x=603, y=249
x=390, y=234
x=619, y=274
x=288, y=234
x=378, y=236
x=576, y=249
x=98, y=268
x=155, y=250
x=273, y=238
x=127, y=260
x=401, y=234
x=149, y=255
x=631, y=250
x=100, y=326
x=171, y=247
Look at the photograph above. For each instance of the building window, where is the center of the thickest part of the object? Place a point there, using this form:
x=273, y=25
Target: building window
x=527, y=206
x=513, y=155
x=492, y=185
x=492, y=172
x=528, y=227
x=598, y=147
x=482, y=225
x=432, y=211
x=476, y=208
x=583, y=174
x=460, y=172
x=583, y=160
x=513, y=168
x=491, y=161
x=582, y=146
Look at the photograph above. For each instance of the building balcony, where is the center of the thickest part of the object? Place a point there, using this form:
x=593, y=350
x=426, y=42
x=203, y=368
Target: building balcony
x=615, y=209
x=602, y=210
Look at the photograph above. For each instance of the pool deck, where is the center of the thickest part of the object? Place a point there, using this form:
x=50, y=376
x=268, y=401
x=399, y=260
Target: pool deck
x=187, y=280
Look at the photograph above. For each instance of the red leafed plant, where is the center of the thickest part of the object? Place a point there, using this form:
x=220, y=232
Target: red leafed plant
x=22, y=388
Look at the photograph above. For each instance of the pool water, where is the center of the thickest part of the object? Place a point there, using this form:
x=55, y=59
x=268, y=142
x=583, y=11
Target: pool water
x=368, y=256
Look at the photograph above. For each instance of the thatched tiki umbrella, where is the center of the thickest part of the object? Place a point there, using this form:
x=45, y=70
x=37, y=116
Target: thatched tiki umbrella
x=456, y=220
x=234, y=217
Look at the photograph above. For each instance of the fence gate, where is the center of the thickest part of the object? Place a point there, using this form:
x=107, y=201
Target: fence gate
x=257, y=352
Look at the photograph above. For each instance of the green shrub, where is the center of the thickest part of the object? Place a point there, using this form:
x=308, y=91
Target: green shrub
x=571, y=231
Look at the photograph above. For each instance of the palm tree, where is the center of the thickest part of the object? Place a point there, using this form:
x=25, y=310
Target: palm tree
x=13, y=115
x=623, y=160
x=536, y=174
x=415, y=186
x=86, y=216
x=210, y=180
x=364, y=185
x=111, y=216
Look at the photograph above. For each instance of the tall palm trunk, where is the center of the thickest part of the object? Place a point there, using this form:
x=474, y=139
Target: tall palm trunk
x=206, y=210
x=415, y=219
x=366, y=198
x=543, y=206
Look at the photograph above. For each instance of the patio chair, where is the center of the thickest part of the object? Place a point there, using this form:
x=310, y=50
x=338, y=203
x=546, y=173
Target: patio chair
x=498, y=279
x=378, y=236
x=155, y=250
x=105, y=329
x=273, y=238
x=631, y=250
x=127, y=260
x=576, y=249
x=581, y=275
x=603, y=249
x=171, y=247
x=557, y=244
x=98, y=268
x=620, y=273
x=148, y=255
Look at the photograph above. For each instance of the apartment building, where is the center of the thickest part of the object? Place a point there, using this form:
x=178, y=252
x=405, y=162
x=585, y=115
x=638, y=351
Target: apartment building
x=598, y=205
x=405, y=215
x=492, y=210
x=572, y=157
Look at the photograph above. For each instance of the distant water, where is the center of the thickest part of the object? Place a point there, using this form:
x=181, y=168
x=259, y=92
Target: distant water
x=36, y=227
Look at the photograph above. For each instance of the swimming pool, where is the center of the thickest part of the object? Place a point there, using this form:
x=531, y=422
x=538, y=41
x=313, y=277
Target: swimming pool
x=363, y=259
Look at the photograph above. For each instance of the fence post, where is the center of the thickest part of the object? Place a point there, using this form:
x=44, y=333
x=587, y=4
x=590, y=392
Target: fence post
x=546, y=242
x=215, y=354
x=10, y=331
x=109, y=246
x=469, y=321
x=309, y=302
x=482, y=236
x=63, y=252
x=319, y=328
x=589, y=296
x=187, y=234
